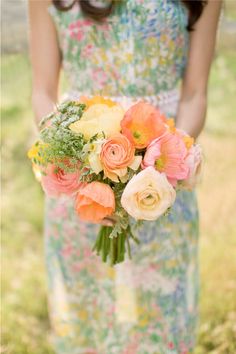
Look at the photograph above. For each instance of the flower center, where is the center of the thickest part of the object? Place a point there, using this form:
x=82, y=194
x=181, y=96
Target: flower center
x=136, y=135
x=148, y=199
x=160, y=163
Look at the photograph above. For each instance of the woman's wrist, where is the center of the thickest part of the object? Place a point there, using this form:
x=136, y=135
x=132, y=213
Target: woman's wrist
x=191, y=114
x=43, y=104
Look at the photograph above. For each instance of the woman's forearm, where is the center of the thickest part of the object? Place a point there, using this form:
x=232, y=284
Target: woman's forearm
x=43, y=103
x=191, y=114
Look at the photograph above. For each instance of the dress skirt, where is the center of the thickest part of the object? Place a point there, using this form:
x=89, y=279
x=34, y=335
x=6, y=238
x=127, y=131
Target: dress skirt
x=147, y=305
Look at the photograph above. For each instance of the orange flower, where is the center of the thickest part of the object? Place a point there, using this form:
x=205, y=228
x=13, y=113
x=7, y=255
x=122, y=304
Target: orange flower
x=96, y=100
x=95, y=201
x=142, y=123
x=117, y=154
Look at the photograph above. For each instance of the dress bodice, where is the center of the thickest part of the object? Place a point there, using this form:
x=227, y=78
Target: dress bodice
x=139, y=50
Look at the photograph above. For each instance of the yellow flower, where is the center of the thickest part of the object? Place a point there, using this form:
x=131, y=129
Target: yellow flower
x=33, y=152
x=189, y=141
x=129, y=58
x=94, y=150
x=97, y=99
x=99, y=118
x=82, y=314
x=171, y=125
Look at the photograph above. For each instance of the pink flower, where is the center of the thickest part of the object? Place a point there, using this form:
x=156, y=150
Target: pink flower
x=78, y=28
x=99, y=76
x=194, y=162
x=57, y=181
x=171, y=345
x=167, y=154
x=87, y=51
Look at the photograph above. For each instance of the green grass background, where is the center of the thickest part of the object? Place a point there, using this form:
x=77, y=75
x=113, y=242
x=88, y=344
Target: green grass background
x=24, y=305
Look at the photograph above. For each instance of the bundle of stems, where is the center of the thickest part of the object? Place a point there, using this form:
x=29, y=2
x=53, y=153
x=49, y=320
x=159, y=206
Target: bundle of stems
x=114, y=248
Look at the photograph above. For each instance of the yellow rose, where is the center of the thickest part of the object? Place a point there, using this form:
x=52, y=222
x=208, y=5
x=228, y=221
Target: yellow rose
x=99, y=118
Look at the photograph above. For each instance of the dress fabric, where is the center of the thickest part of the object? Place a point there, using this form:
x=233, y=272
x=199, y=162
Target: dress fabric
x=148, y=305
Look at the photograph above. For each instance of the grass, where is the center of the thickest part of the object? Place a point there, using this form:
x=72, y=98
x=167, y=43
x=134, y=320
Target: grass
x=24, y=310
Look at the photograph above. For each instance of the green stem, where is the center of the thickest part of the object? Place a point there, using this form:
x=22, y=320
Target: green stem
x=98, y=240
x=104, y=246
x=115, y=250
x=128, y=244
x=119, y=247
x=111, y=251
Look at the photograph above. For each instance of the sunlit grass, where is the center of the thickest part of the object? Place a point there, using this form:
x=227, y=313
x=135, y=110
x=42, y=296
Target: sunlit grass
x=25, y=318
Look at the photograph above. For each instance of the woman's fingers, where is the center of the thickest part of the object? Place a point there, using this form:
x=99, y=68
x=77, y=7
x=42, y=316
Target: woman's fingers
x=108, y=221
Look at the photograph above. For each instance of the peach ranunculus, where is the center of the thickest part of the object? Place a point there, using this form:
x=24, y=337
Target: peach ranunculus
x=142, y=123
x=148, y=195
x=99, y=118
x=117, y=154
x=57, y=181
x=194, y=161
x=167, y=154
x=95, y=201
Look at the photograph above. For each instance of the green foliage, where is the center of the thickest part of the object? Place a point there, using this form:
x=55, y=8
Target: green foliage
x=59, y=143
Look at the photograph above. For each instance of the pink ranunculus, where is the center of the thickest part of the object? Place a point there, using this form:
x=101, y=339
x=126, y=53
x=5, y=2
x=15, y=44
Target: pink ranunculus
x=168, y=154
x=194, y=162
x=95, y=201
x=57, y=181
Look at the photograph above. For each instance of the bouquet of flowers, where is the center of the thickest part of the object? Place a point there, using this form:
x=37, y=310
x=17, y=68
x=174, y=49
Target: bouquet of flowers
x=114, y=162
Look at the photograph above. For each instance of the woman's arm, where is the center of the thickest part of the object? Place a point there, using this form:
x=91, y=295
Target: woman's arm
x=193, y=102
x=45, y=58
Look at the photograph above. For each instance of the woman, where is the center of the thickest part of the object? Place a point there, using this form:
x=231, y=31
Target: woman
x=160, y=50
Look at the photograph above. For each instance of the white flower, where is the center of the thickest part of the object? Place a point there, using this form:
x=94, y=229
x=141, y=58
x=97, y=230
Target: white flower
x=148, y=195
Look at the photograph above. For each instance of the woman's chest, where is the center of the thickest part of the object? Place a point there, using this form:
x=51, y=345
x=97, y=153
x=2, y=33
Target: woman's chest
x=134, y=24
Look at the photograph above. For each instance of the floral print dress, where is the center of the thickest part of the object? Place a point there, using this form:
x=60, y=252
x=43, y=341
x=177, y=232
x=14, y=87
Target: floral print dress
x=148, y=305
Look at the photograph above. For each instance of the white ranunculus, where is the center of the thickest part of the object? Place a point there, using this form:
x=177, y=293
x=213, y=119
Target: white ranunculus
x=148, y=195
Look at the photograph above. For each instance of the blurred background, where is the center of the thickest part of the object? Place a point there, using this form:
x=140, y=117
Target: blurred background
x=24, y=306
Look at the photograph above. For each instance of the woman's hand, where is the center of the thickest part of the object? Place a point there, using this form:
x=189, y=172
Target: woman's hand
x=109, y=221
